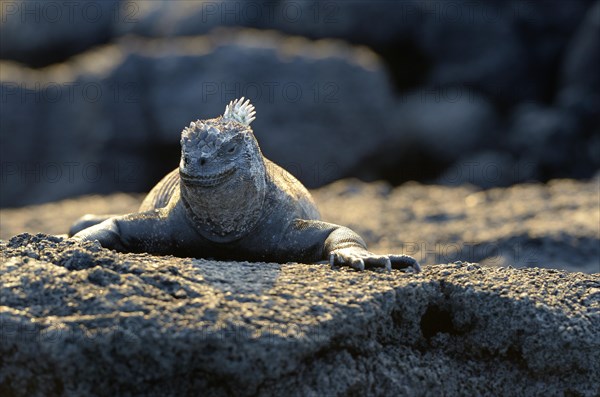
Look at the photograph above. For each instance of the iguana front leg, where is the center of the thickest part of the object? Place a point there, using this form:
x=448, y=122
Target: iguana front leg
x=341, y=246
x=138, y=232
x=88, y=220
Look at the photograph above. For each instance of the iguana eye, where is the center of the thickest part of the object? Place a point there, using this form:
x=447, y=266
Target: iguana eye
x=186, y=160
x=232, y=146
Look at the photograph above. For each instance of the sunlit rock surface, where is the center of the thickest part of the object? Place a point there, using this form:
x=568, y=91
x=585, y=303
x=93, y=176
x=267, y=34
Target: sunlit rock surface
x=553, y=225
x=82, y=320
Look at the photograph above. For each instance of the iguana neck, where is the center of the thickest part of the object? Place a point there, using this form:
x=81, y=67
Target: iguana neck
x=226, y=212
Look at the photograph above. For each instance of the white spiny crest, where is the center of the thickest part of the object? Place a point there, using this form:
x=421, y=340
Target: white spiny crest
x=240, y=111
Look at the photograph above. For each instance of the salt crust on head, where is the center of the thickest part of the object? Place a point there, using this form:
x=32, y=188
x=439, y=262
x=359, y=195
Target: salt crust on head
x=208, y=135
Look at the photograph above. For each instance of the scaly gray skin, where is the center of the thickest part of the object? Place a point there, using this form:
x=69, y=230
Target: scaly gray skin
x=226, y=201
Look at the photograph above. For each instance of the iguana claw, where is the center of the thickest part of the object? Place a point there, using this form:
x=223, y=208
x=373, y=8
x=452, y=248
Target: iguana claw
x=358, y=258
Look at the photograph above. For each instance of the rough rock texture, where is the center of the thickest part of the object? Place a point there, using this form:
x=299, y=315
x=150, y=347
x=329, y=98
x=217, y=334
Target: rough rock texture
x=553, y=225
x=82, y=320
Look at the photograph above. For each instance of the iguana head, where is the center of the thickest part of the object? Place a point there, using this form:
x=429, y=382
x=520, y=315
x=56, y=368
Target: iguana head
x=218, y=150
x=222, y=173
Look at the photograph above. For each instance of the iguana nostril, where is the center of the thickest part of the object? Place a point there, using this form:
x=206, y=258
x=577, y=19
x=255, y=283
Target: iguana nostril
x=202, y=161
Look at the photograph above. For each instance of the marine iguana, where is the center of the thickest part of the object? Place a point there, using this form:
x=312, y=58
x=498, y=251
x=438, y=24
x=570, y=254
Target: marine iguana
x=227, y=201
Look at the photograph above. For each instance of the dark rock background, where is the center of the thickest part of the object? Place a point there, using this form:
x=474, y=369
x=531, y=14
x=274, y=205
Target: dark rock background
x=94, y=94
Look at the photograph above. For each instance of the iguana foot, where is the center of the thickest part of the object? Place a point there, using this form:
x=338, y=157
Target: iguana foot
x=359, y=258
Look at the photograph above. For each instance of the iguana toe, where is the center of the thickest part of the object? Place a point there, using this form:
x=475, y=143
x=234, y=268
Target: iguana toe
x=358, y=258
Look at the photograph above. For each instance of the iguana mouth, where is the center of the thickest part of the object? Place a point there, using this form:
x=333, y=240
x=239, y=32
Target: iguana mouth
x=206, y=180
